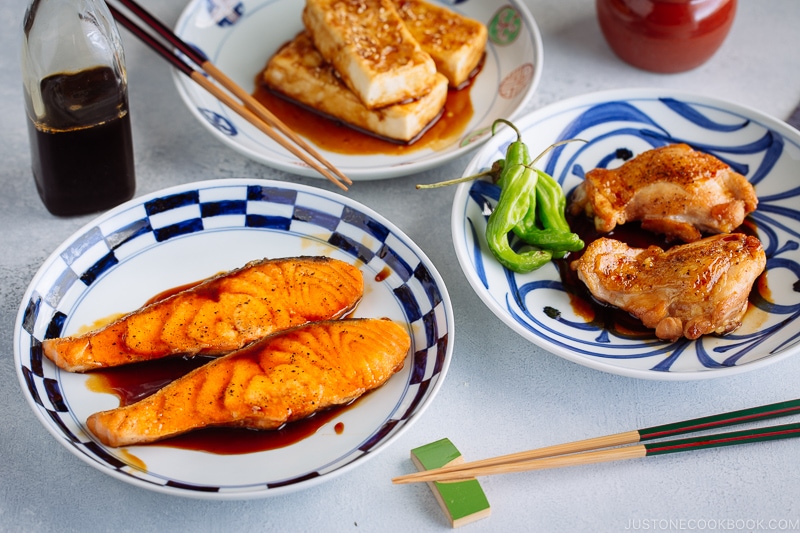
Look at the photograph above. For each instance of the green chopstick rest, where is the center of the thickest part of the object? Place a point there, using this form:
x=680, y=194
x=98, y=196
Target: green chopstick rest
x=463, y=502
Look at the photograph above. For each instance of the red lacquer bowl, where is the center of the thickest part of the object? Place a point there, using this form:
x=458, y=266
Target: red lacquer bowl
x=665, y=36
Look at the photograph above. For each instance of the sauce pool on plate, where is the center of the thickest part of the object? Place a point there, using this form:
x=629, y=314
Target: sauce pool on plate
x=333, y=136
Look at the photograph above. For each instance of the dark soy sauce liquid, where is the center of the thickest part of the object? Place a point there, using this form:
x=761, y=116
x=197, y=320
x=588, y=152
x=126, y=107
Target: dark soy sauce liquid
x=82, y=150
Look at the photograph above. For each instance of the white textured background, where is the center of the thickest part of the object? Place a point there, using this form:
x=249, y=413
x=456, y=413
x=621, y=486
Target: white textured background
x=502, y=394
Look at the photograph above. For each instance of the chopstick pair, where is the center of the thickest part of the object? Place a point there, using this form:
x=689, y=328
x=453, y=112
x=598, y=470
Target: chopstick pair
x=602, y=449
x=249, y=108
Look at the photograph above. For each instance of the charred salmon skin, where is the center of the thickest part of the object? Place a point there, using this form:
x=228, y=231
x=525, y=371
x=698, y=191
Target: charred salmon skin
x=219, y=315
x=281, y=378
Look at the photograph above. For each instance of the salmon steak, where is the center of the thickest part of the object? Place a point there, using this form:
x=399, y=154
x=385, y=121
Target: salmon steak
x=278, y=379
x=220, y=314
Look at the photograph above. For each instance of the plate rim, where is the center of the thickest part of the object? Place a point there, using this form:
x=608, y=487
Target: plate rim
x=583, y=100
x=257, y=492
x=363, y=174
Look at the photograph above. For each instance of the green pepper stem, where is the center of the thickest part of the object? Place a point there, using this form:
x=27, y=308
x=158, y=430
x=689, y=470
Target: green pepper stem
x=509, y=124
x=455, y=181
x=554, y=145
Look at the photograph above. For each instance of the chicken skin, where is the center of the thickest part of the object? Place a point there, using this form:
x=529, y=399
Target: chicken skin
x=687, y=291
x=673, y=190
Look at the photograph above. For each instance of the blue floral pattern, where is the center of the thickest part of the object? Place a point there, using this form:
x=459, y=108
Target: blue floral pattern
x=225, y=12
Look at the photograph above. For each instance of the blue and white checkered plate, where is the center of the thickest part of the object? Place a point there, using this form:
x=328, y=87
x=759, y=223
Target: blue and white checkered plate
x=630, y=121
x=186, y=233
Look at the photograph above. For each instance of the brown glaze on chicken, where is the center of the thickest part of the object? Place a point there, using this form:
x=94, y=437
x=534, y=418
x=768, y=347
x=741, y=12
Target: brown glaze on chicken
x=673, y=190
x=219, y=315
x=279, y=379
x=689, y=290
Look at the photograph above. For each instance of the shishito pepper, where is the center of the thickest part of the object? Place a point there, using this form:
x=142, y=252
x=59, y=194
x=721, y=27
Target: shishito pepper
x=558, y=242
x=516, y=154
x=531, y=205
x=519, y=190
x=552, y=203
x=554, y=233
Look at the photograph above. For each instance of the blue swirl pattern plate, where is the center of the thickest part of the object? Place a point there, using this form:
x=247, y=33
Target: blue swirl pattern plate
x=239, y=37
x=186, y=233
x=615, y=124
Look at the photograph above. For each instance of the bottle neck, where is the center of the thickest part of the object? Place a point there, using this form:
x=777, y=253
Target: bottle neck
x=66, y=42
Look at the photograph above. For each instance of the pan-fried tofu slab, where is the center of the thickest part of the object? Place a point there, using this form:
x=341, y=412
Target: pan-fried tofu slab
x=299, y=72
x=455, y=42
x=221, y=314
x=371, y=49
x=279, y=379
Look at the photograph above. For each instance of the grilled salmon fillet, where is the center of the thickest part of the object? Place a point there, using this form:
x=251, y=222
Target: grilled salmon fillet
x=455, y=43
x=371, y=49
x=299, y=72
x=279, y=379
x=687, y=291
x=218, y=315
x=673, y=190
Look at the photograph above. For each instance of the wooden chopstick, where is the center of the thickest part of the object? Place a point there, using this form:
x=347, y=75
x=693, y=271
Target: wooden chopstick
x=252, y=110
x=561, y=453
x=786, y=431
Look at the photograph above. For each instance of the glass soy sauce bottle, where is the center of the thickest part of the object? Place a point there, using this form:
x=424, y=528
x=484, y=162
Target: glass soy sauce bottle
x=76, y=99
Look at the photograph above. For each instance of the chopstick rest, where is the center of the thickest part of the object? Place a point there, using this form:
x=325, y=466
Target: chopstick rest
x=463, y=501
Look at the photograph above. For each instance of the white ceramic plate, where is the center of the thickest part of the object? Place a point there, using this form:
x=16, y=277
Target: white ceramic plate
x=764, y=149
x=183, y=234
x=239, y=38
